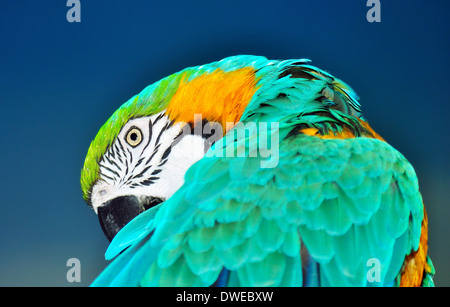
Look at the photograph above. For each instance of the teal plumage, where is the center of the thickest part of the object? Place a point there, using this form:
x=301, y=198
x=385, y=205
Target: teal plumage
x=328, y=206
x=262, y=233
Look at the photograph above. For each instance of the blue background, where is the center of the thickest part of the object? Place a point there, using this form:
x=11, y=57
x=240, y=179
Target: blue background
x=60, y=81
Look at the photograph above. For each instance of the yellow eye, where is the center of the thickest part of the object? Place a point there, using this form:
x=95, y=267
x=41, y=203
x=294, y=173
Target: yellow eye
x=134, y=136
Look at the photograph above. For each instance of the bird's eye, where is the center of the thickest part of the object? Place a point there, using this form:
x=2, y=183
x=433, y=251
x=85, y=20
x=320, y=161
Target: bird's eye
x=134, y=136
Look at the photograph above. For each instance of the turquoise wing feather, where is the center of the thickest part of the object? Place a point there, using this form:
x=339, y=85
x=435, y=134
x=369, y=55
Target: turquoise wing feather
x=344, y=201
x=312, y=211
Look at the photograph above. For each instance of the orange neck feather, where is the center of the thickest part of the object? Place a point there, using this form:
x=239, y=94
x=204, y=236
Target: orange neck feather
x=218, y=96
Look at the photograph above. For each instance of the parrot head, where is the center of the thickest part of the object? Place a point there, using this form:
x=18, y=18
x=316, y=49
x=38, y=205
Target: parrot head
x=140, y=155
x=143, y=166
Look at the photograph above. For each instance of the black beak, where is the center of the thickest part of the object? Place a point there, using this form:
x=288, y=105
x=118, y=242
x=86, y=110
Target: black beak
x=117, y=212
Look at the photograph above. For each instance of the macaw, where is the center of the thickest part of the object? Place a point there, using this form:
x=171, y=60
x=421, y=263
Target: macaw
x=253, y=172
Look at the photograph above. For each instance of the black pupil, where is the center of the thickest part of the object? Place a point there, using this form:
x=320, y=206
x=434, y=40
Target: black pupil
x=133, y=136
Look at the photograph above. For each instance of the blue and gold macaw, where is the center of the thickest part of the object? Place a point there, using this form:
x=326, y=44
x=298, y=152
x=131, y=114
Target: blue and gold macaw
x=251, y=172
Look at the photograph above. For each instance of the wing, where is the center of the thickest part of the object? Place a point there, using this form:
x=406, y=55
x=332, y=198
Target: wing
x=335, y=203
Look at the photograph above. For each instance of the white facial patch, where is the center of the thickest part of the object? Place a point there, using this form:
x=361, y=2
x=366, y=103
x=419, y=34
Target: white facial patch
x=148, y=158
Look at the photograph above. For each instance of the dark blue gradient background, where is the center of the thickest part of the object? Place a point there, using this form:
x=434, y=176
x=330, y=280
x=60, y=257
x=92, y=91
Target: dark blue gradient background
x=60, y=81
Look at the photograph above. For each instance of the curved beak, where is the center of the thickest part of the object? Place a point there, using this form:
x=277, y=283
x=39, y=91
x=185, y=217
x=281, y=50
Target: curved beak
x=117, y=212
